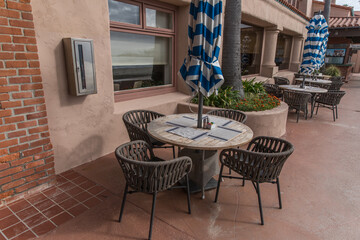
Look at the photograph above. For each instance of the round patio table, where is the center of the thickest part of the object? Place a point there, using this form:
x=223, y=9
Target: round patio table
x=313, y=81
x=308, y=89
x=203, y=148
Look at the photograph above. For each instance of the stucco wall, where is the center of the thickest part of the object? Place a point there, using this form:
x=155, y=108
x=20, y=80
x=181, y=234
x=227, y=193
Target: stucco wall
x=84, y=128
x=334, y=11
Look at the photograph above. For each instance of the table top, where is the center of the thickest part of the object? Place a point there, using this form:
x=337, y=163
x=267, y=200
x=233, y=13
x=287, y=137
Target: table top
x=308, y=89
x=321, y=81
x=159, y=128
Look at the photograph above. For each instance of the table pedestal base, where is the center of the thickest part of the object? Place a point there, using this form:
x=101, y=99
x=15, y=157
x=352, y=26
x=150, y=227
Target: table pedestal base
x=205, y=166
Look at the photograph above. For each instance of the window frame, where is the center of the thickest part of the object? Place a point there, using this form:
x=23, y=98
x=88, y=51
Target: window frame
x=130, y=94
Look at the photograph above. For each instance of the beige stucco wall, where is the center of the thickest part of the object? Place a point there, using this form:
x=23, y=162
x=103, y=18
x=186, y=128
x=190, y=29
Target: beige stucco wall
x=334, y=11
x=84, y=128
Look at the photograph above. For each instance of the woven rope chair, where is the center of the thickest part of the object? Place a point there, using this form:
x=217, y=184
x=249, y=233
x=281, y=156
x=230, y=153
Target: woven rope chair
x=136, y=124
x=335, y=86
x=229, y=113
x=298, y=101
x=336, y=79
x=261, y=162
x=143, y=175
x=321, y=85
x=330, y=100
x=273, y=89
x=281, y=81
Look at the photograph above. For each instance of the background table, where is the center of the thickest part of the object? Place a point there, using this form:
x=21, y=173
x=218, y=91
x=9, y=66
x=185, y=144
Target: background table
x=308, y=89
x=313, y=81
x=207, y=145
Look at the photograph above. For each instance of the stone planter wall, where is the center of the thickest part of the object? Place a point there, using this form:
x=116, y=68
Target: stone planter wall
x=264, y=123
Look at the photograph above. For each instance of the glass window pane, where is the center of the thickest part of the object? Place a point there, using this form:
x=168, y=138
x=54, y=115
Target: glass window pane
x=140, y=60
x=124, y=12
x=283, y=49
x=158, y=19
x=251, y=45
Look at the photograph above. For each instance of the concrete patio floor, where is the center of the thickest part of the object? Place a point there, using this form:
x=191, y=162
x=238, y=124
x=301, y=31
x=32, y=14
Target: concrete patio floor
x=320, y=187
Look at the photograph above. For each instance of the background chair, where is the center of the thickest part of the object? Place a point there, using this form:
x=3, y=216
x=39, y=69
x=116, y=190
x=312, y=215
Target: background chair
x=281, y=81
x=261, y=162
x=298, y=101
x=144, y=175
x=136, y=125
x=229, y=113
x=331, y=100
x=335, y=86
x=273, y=89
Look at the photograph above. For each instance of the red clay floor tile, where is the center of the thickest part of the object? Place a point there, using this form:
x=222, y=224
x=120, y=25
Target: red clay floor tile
x=79, y=180
x=53, y=211
x=104, y=195
x=2, y=237
x=77, y=210
x=96, y=190
x=83, y=196
x=43, y=228
x=72, y=175
x=8, y=221
x=52, y=192
x=59, y=180
x=19, y=205
x=5, y=212
x=61, y=218
x=74, y=191
x=60, y=198
x=67, y=186
x=15, y=230
x=36, y=198
x=26, y=213
x=44, y=204
x=35, y=220
x=24, y=236
x=92, y=202
x=86, y=185
x=69, y=203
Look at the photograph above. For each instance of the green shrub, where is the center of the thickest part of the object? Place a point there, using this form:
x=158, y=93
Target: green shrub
x=332, y=71
x=256, y=99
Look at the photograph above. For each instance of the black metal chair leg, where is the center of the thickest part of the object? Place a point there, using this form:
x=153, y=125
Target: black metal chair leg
x=173, y=148
x=123, y=202
x=229, y=170
x=279, y=193
x=188, y=193
x=317, y=109
x=297, y=117
x=259, y=200
x=152, y=214
x=218, y=185
x=243, y=182
x=333, y=109
x=336, y=111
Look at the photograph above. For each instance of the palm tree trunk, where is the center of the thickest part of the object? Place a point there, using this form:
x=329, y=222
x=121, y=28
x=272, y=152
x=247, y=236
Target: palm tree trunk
x=231, y=60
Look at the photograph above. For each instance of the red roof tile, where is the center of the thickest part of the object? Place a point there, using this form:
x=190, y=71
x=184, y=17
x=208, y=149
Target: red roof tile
x=292, y=8
x=344, y=22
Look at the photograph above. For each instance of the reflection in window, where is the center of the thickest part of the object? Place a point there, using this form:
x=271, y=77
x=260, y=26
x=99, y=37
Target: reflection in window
x=251, y=45
x=124, y=12
x=283, y=49
x=158, y=19
x=140, y=60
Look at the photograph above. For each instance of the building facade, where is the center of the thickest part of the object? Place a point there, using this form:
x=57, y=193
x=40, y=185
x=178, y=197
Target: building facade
x=138, y=47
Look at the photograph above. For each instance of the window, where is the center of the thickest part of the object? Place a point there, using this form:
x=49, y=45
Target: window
x=283, y=49
x=142, y=46
x=251, y=45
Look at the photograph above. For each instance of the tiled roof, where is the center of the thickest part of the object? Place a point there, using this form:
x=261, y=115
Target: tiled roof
x=344, y=22
x=292, y=8
x=335, y=5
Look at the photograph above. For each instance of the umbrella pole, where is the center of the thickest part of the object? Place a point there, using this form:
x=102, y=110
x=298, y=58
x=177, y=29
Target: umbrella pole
x=200, y=109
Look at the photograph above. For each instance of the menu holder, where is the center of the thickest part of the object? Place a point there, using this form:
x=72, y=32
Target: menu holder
x=188, y=132
x=224, y=133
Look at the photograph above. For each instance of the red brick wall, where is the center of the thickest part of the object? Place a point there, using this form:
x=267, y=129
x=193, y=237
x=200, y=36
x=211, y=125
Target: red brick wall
x=26, y=153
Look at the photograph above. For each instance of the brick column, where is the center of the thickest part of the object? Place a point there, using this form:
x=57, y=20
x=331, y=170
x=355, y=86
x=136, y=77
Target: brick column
x=26, y=153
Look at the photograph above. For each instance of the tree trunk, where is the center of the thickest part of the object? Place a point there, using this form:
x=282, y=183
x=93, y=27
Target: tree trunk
x=231, y=59
x=327, y=8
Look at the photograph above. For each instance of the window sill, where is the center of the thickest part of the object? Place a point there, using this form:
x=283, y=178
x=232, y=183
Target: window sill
x=141, y=93
x=154, y=102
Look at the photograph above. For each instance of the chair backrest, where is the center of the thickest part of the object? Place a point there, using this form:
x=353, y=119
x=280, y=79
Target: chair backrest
x=136, y=124
x=321, y=85
x=281, y=81
x=262, y=161
x=336, y=79
x=272, y=89
x=331, y=97
x=335, y=85
x=294, y=98
x=143, y=175
x=229, y=113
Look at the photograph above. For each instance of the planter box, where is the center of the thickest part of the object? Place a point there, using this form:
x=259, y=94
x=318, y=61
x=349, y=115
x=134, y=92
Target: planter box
x=263, y=123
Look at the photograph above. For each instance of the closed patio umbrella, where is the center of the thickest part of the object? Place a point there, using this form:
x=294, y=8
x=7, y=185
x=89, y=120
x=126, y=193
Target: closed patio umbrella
x=315, y=45
x=201, y=69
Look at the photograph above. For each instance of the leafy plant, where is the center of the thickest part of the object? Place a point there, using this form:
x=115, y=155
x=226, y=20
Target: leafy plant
x=250, y=86
x=225, y=99
x=332, y=71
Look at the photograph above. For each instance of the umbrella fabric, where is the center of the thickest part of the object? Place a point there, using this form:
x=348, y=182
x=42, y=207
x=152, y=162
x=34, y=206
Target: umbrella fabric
x=315, y=45
x=201, y=69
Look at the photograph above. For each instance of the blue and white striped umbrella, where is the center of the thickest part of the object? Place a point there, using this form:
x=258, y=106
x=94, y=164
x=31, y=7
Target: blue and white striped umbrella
x=201, y=69
x=315, y=45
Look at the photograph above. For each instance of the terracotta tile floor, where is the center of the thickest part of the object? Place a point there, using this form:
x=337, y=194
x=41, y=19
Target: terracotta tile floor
x=38, y=214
